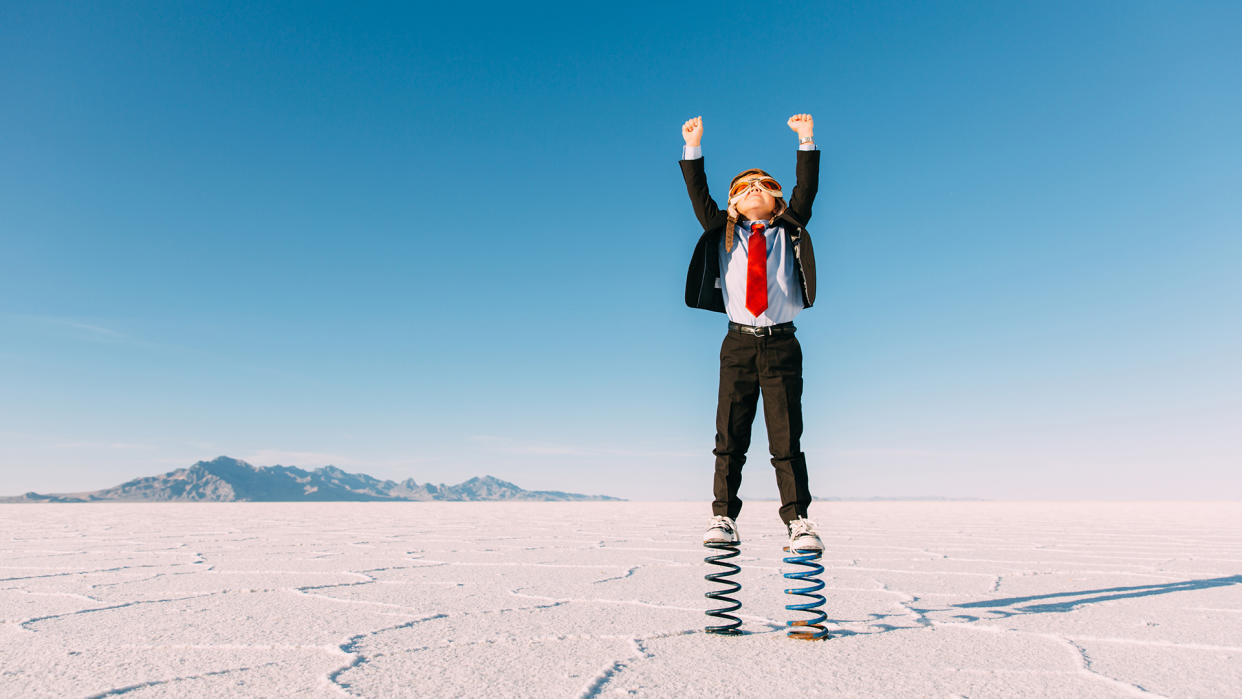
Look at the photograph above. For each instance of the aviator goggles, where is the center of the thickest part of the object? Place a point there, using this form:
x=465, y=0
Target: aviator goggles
x=739, y=188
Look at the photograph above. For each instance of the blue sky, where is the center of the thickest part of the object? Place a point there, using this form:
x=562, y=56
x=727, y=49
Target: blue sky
x=448, y=241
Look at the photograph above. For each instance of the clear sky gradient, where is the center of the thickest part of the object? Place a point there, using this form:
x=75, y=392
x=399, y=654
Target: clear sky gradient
x=452, y=241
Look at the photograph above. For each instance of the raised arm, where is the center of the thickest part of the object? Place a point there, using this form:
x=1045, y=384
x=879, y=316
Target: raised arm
x=807, y=184
x=705, y=208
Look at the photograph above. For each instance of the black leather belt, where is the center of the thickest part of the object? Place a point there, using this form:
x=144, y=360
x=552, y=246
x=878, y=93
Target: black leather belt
x=762, y=330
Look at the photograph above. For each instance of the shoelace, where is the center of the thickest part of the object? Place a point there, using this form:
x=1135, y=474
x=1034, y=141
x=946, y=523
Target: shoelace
x=722, y=522
x=800, y=526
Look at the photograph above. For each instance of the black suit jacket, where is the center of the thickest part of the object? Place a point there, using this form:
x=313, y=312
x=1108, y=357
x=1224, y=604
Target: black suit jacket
x=703, y=286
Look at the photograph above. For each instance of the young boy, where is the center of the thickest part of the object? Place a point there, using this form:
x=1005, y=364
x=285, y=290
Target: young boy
x=754, y=263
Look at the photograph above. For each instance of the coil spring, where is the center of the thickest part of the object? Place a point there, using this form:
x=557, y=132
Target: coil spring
x=807, y=629
x=731, y=587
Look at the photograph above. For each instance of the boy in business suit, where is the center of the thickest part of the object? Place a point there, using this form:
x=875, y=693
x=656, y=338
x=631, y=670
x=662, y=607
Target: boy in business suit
x=754, y=262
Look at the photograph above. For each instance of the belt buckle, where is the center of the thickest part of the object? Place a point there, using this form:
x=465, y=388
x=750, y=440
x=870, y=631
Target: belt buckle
x=753, y=330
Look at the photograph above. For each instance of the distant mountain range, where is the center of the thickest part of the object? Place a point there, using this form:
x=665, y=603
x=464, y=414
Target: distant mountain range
x=224, y=479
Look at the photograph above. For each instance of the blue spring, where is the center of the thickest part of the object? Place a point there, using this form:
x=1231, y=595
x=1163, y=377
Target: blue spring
x=807, y=629
x=722, y=596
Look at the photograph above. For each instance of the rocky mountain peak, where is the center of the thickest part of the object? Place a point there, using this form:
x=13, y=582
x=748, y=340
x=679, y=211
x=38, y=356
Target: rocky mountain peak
x=225, y=479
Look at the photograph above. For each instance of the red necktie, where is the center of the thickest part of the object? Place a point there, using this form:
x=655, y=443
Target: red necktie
x=756, y=271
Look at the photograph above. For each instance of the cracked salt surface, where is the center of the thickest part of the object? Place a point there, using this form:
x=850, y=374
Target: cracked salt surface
x=968, y=599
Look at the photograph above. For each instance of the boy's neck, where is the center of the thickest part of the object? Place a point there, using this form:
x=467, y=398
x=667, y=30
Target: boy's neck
x=754, y=215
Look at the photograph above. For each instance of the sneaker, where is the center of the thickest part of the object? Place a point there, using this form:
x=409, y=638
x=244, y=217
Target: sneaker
x=803, y=537
x=722, y=530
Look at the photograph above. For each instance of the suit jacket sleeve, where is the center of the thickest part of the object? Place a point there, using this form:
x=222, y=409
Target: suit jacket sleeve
x=806, y=187
x=705, y=208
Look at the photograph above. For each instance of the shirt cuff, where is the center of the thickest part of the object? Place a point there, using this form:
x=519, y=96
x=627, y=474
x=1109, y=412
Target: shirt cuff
x=691, y=152
x=807, y=146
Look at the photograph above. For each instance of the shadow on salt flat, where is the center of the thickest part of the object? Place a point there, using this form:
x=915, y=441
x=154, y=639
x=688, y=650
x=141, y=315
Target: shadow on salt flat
x=1099, y=595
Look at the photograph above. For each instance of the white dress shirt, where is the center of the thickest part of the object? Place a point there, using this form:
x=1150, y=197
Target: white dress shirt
x=784, y=292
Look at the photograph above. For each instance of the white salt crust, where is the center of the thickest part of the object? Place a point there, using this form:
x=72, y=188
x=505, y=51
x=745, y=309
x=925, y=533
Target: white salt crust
x=977, y=599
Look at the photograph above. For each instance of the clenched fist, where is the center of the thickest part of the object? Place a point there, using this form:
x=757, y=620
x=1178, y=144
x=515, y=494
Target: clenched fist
x=692, y=131
x=802, y=124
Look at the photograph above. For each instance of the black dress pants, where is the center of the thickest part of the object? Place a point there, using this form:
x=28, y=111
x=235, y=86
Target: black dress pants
x=750, y=365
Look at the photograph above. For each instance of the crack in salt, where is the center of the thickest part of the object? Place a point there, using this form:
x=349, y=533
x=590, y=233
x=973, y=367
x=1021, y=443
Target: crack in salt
x=597, y=685
x=81, y=572
x=155, y=683
x=905, y=600
x=600, y=681
x=25, y=624
x=350, y=647
x=623, y=576
x=1087, y=665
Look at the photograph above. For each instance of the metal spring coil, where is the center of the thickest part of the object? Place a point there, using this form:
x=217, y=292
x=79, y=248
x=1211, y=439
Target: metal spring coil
x=807, y=629
x=722, y=596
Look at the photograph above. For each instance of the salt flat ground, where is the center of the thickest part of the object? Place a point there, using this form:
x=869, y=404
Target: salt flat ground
x=978, y=599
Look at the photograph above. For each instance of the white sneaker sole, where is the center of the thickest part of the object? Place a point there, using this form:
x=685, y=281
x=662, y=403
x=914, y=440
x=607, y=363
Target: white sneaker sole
x=806, y=546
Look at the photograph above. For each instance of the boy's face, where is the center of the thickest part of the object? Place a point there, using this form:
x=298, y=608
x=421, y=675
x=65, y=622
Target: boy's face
x=756, y=201
x=753, y=193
